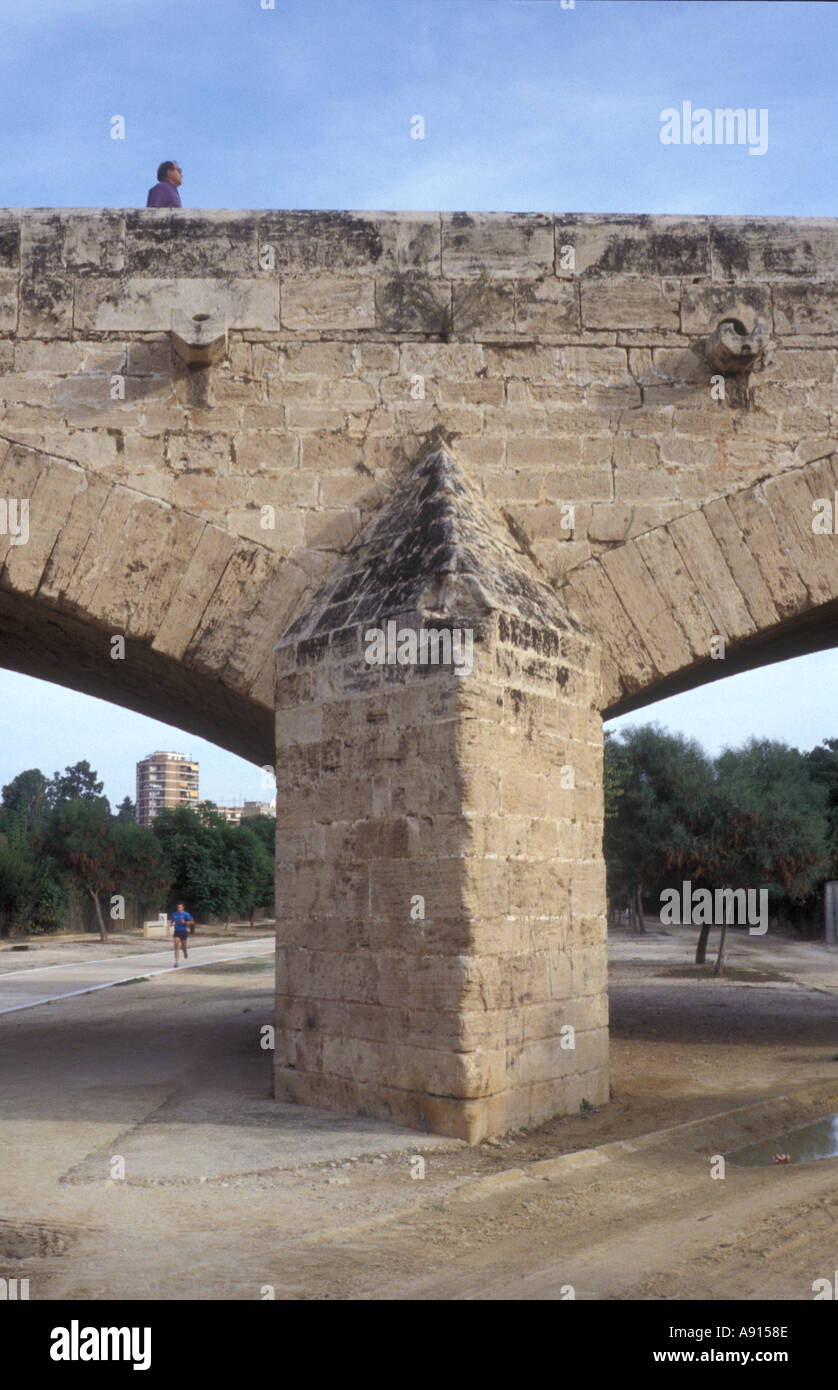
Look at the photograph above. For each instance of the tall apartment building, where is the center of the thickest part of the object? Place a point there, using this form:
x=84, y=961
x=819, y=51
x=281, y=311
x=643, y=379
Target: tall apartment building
x=165, y=780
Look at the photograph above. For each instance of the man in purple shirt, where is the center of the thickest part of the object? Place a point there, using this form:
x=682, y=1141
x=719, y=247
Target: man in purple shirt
x=165, y=194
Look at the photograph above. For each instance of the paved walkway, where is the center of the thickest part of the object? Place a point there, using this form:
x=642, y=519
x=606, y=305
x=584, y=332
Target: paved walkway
x=27, y=986
x=811, y=964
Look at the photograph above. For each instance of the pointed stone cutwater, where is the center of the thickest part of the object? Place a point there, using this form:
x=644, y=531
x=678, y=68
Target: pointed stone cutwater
x=440, y=886
x=435, y=545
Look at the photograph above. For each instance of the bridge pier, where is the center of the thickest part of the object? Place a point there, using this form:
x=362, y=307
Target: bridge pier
x=440, y=883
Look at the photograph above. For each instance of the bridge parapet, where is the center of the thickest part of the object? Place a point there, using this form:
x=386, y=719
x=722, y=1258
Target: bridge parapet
x=564, y=354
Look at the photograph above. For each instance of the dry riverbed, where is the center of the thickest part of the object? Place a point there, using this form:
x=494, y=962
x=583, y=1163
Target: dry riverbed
x=144, y=1156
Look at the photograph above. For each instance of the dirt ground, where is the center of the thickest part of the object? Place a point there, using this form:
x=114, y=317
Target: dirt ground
x=227, y=1194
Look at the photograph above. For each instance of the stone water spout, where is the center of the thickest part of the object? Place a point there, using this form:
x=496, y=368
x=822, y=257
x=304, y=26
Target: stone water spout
x=199, y=339
x=733, y=348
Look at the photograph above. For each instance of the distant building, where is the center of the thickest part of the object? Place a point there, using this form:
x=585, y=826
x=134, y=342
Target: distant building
x=234, y=815
x=165, y=781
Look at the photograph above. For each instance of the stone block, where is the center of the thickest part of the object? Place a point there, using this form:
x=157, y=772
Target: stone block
x=10, y=237
x=704, y=561
x=629, y=302
x=648, y=607
x=663, y=560
x=518, y=245
x=8, y=301
x=209, y=559
x=546, y=307
x=764, y=541
x=20, y=471
x=361, y=242
x=46, y=306
x=52, y=497
x=703, y=307
x=482, y=311
x=119, y=304
x=320, y=360
x=191, y=244
x=790, y=500
x=327, y=301
x=757, y=248
x=628, y=245
x=805, y=309
x=56, y=241
x=585, y=366
x=627, y=664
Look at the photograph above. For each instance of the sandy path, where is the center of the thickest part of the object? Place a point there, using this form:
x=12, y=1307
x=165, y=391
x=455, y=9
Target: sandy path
x=226, y=1192
x=30, y=984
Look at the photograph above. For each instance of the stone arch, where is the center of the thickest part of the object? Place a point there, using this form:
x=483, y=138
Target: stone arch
x=200, y=609
x=747, y=567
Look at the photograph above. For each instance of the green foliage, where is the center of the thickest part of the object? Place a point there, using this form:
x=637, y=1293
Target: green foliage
x=31, y=894
x=760, y=816
x=139, y=875
x=215, y=868
x=615, y=775
x=79, y=835
x=76, y=783
x=822, y=766
x=26, y=796
x=191, y=860
x=265, y=828
x=660, y=803
x=776, y=820
x=59, y=840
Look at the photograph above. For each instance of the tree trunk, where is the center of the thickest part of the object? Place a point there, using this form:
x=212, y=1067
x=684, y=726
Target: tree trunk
x=252, y=915
x=641, y=921
x=103, y=931
x=717, y=968
x=703, y=938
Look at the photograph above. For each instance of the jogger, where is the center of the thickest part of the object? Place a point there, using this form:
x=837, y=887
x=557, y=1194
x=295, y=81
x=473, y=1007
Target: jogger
x=180, y=926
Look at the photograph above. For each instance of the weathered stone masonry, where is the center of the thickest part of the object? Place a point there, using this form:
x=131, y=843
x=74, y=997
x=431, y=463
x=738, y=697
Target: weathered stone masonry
x=600, y=516
x=399, y=781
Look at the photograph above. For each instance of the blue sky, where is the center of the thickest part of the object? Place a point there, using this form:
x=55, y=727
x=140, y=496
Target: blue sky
x=527, y=105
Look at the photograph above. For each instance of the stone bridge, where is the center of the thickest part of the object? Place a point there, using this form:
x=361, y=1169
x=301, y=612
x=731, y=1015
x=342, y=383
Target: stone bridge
x=602, y=449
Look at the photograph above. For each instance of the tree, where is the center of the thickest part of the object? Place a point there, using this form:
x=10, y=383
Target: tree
x=193, y=859
x=126, y=810
x=31, y=895
x=777, y=832
x=138, y=874
x=12, y=885
x=26, y=795
x=265, y=828
x=80, y=836
x=253, y=866
x=76, y=783
x=822, y=766
x=753, y=818
x=213, y=867
x=659, y=789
